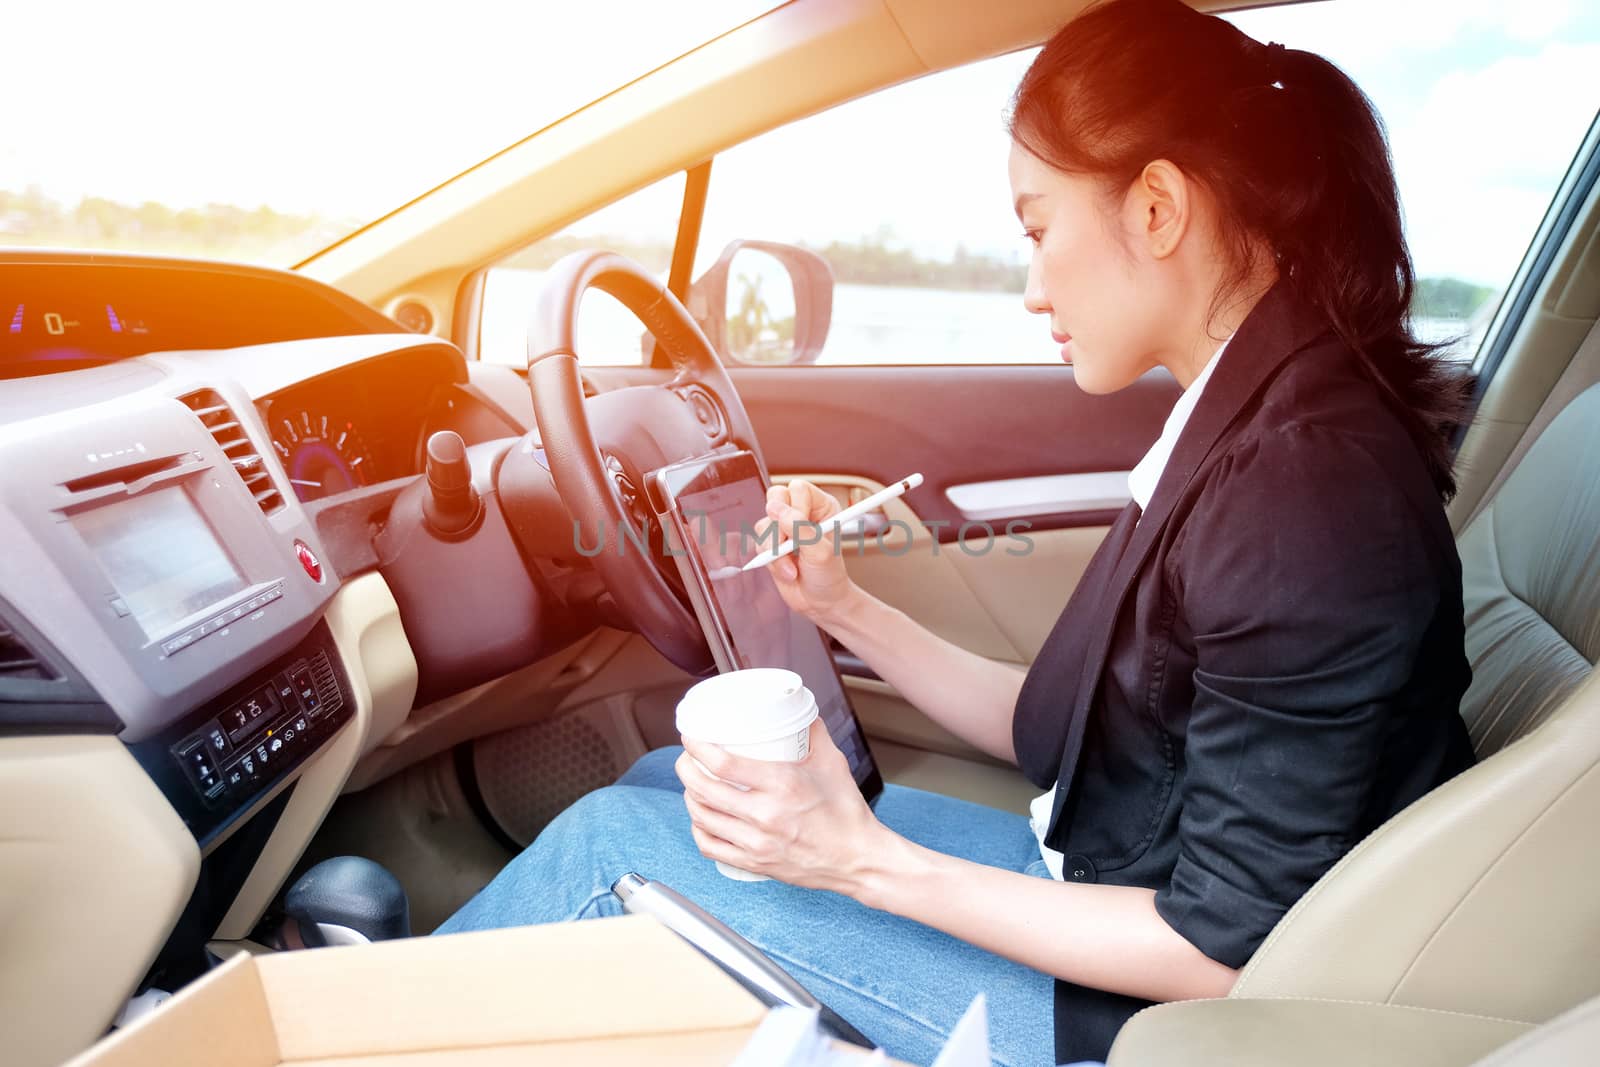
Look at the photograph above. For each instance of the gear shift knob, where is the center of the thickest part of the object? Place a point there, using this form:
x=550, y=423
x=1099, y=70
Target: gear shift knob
x=348, y=900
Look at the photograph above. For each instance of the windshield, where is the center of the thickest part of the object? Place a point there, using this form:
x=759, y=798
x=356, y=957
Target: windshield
x=178, y=126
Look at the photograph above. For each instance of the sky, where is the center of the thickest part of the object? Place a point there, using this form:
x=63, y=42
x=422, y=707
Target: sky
x=1486, y=102
x=348, y=109
x=344, y=108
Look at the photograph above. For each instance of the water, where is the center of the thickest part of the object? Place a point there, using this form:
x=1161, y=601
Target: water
x=871, y=324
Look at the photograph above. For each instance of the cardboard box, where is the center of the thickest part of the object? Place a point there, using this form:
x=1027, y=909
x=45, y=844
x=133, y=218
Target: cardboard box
x=606, y=991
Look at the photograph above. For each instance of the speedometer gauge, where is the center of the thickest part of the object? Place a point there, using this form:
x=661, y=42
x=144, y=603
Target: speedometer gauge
x=323, y=455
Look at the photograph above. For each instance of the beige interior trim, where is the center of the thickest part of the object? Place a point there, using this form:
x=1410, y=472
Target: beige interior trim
x=226, y=950
x=1305, y=1033
x=95, y=868
x=365, y=622
x=1024, y=595
x=981, y=782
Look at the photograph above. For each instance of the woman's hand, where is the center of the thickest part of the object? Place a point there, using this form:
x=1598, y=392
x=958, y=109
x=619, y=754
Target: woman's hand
x=812, y=580
x=804, y=823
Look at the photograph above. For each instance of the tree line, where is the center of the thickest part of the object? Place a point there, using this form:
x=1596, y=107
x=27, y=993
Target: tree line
x=223, y=231
x=229, y=232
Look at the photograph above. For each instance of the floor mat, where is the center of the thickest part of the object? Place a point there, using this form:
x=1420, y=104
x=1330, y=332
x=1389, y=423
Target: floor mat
x=529, y=775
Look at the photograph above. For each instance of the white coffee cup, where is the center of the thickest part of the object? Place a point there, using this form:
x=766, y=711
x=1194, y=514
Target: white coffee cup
x=762, y=713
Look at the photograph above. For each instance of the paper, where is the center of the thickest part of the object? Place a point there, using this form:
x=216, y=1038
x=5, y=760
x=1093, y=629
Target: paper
x=968, y=1045
x=790, y=1037
x=787, y=1037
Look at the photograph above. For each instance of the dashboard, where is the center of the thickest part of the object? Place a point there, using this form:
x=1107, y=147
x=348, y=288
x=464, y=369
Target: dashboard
x=338, y=432
x=62, y=311
x=164, y=426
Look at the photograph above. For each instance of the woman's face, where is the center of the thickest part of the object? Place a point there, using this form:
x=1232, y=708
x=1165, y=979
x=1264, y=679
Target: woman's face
x=1091, y=272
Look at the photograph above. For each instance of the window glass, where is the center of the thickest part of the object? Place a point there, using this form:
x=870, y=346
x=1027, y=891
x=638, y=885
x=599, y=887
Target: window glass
x=267, y=132
x=905, y=192
x=641, y=226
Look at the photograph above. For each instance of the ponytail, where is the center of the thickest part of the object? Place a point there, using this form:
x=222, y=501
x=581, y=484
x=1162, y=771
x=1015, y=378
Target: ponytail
x=1293, y=154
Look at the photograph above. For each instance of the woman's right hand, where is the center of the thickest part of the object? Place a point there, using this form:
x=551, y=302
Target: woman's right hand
x=812, y=580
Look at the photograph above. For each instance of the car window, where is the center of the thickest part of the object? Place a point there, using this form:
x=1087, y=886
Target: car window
x=905, y=194
x=641, y=226
x=1485, y=106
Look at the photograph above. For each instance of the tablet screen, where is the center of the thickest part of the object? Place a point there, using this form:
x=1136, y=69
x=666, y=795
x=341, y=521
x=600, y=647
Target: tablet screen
x=718, y=507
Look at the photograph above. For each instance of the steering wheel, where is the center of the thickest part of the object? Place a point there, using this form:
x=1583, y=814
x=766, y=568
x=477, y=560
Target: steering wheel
x=600, y=449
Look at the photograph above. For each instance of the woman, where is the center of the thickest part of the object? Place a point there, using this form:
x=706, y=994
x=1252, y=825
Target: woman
x=1263, y=661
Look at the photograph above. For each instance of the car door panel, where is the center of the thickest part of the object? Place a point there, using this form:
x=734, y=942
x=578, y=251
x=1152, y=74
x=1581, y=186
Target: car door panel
x=956, y=424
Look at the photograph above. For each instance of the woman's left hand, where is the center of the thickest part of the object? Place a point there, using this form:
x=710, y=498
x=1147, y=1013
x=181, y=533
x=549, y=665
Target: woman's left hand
x=804, y=823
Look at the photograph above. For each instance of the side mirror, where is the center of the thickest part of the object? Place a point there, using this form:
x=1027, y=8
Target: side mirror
x=765, y=304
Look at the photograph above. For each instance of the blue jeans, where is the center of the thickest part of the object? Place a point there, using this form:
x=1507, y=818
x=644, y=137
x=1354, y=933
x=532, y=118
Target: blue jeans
x=902, y=984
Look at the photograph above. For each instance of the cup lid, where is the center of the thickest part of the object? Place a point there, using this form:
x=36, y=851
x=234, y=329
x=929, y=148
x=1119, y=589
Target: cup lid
x=746, y=706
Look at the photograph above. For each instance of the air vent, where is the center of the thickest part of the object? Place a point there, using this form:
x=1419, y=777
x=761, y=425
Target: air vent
x=327, y=685
x=18, y=661
x=224, y=426
x=414, y=313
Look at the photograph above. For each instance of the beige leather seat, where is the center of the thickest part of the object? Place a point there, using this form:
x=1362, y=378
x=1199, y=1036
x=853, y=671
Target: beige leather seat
x=1474, y=915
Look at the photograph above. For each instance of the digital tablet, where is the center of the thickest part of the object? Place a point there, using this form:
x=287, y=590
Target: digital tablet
x=710, y=509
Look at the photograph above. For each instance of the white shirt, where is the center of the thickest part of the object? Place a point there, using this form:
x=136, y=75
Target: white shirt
x=1142, y=481
x=1144, y=476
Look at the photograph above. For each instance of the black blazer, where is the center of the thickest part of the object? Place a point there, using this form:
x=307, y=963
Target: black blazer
x=1261, y=668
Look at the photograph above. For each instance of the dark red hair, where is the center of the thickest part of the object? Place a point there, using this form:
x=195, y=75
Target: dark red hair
x=1291, y=151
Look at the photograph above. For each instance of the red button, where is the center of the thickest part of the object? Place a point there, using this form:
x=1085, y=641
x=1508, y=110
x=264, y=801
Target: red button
x=308, y=560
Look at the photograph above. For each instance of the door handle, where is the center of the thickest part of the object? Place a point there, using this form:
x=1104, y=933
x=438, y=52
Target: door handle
x=863, y=527
x=874, y=527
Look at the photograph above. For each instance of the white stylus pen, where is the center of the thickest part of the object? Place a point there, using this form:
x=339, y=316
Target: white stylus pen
x=910, y=481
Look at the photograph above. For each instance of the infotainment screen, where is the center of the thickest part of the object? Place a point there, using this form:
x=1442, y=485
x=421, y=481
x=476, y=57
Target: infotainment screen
x=160, y=555
x=714, y=506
